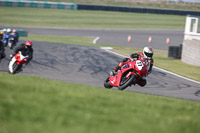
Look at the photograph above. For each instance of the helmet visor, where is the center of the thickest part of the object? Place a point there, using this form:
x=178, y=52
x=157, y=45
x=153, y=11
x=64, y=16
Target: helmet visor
x=28, y=46
x=148, y=54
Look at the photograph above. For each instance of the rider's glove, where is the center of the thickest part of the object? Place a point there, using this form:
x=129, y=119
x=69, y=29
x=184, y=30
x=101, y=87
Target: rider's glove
x=11, y=55
x=132, y=59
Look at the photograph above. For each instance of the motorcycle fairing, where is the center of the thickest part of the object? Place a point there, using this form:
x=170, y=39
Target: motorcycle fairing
x=21, y=59
x=137, y=68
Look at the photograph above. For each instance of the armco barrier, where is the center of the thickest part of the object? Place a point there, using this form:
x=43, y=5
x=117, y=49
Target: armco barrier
x=136, y=10
x=38, y=4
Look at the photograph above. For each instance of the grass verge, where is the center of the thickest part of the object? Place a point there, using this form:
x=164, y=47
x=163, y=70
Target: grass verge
x=31, y=17
x=33, y=104
x=30, y=104
x=73, y=40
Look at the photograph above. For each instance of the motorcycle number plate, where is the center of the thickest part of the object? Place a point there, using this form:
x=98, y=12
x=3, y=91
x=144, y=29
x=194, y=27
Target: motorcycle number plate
x=139, y=64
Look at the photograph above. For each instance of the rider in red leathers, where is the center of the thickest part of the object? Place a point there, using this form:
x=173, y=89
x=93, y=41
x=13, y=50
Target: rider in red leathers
x=146, y=55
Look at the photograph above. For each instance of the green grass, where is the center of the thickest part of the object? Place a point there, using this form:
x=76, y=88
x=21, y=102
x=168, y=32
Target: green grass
x=73, y=40
x=31, y=17
x=33, y=104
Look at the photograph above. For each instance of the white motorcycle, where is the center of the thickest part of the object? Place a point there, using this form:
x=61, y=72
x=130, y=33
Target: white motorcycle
x=16, y=62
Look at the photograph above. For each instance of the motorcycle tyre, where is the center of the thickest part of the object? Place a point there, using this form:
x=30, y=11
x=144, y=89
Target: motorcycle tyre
x=107, y=83
x=10, y=44
x=16, y=68
x=128, y=83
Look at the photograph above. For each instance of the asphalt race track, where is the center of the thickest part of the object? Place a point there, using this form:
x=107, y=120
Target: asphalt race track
x=90, y=66
x=118, y=37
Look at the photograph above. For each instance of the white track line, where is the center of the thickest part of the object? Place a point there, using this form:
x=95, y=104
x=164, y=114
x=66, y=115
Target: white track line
x=108, y=50
x=177, y=75
x=95, y=40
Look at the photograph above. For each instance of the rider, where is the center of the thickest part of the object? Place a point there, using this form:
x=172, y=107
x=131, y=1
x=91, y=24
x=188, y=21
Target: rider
x=15, y=35
x=26, y=49
x=146, y=55
x=6, y=36
x=1, y=35
x=2, y=50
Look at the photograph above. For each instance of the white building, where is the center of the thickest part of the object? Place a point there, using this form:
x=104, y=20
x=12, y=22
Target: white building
x=191, y=43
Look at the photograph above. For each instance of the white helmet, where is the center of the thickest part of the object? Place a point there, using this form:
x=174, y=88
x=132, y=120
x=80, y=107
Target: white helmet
x=8, y=30
x=148, y=52
x=4, y=30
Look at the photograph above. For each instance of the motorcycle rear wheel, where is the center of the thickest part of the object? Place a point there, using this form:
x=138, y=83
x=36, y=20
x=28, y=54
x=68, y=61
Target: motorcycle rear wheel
x=126, y=83
x=107, y=83
x=11, y=44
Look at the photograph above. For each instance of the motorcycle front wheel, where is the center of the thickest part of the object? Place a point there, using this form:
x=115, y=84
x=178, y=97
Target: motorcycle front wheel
x=16, y=68
x=124, y=83
x=107, y=83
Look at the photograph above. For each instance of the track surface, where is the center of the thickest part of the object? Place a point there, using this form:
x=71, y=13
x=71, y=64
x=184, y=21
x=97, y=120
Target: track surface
x=119, y=37
x=90, y=65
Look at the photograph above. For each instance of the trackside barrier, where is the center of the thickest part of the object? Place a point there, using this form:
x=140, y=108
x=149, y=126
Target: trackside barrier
x=38, y=4
x=136, y=10
x=175, y=51
x=21, y=32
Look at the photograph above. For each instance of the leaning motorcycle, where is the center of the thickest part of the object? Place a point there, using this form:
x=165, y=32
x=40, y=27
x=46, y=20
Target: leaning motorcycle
x=11, y=42
x=129, y=74
x=16, y=62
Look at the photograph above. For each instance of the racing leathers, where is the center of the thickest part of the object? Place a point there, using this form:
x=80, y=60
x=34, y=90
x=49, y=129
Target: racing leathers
x=142, y=81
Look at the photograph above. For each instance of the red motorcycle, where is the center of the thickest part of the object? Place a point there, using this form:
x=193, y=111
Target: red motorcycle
x=129, y=74
x=16, y=62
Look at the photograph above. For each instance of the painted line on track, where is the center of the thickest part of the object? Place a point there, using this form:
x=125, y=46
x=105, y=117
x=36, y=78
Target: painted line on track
x=95, y=40
x=160, y=69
